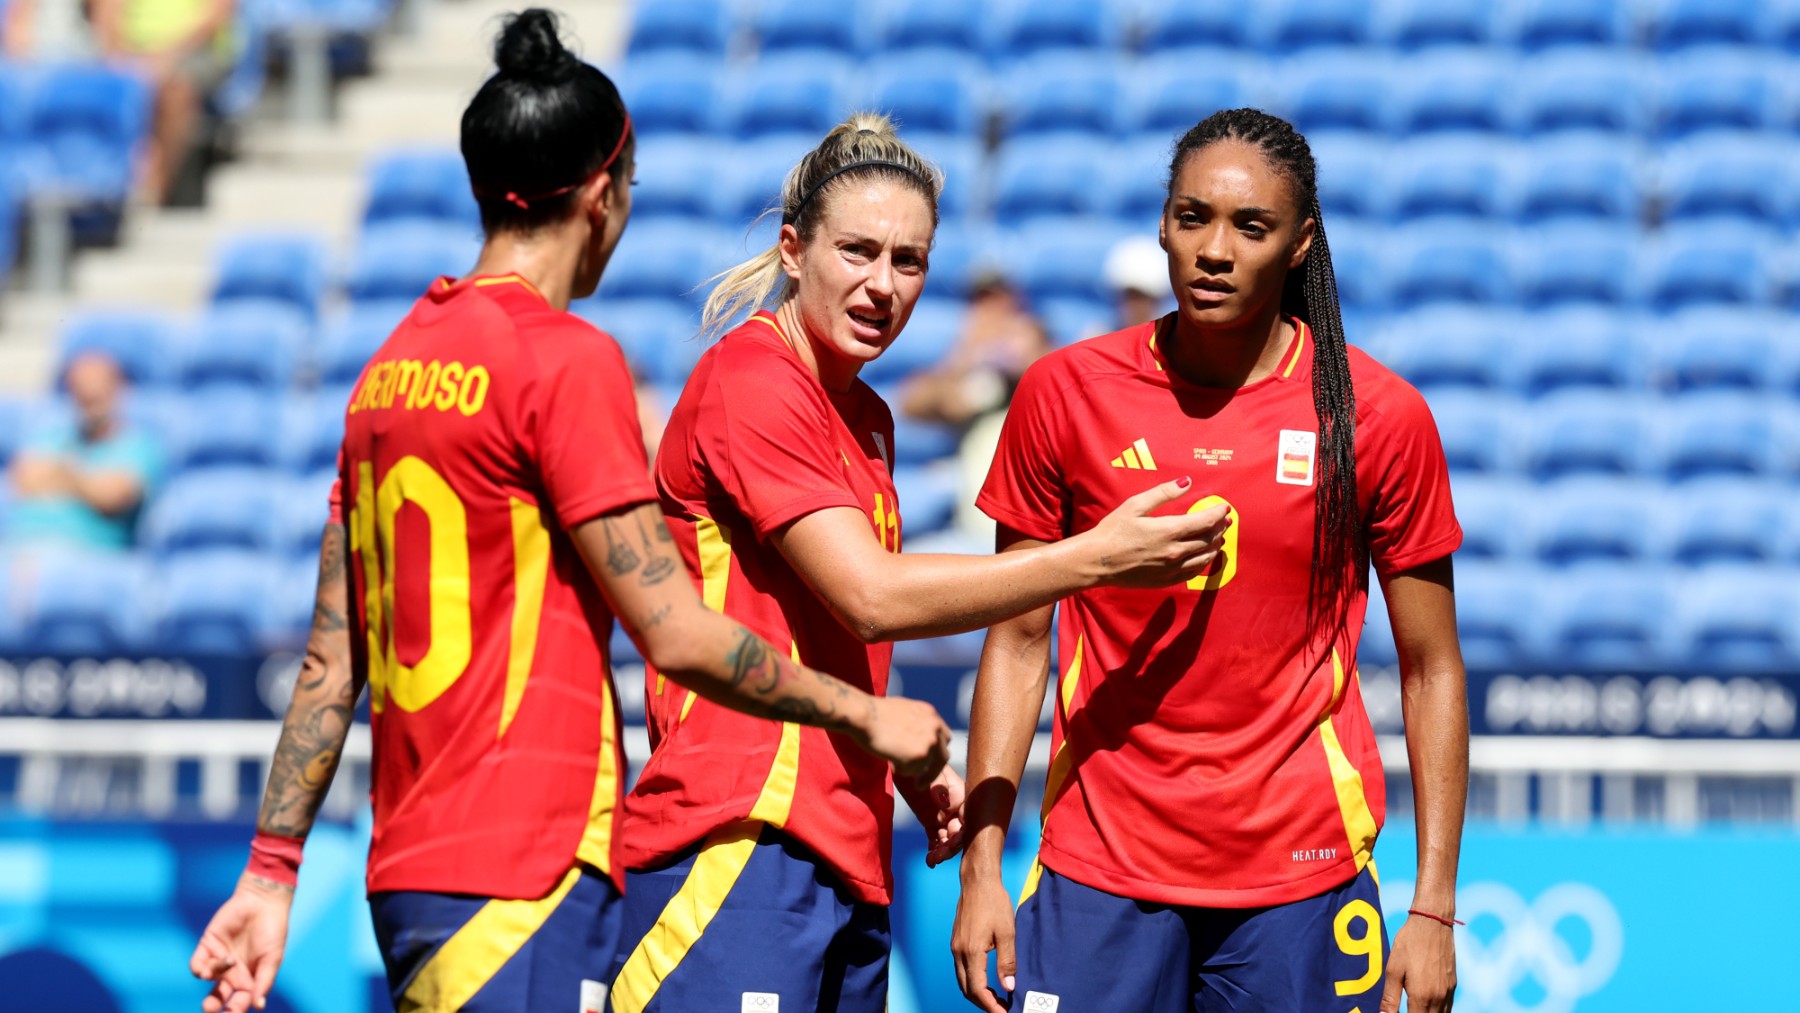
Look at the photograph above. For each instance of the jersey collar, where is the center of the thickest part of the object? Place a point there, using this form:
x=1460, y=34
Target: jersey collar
x=446, y=286
x=1290, y=359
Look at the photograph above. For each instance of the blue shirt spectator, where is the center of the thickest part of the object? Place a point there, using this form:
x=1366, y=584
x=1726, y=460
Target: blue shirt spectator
x=80, y=482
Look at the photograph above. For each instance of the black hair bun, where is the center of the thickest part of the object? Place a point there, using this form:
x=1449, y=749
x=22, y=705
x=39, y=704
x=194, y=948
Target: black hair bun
x=530, y=48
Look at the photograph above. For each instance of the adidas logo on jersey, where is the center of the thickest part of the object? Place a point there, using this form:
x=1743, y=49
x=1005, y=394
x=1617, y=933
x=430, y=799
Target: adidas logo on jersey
x=1136, y=457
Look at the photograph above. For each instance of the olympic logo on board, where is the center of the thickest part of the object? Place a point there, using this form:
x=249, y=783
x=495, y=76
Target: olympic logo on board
x=1567, y=944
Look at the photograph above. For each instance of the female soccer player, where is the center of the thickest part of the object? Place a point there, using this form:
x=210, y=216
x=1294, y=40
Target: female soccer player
x=760, y=852
x=1214, y=792
x=500, y=512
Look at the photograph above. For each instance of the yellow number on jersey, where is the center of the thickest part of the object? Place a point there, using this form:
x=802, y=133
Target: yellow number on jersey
x=1225, y=567
x=1367, y=944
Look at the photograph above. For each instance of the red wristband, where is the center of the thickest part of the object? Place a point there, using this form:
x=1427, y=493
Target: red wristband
x=276, y=858
x=1440, y=919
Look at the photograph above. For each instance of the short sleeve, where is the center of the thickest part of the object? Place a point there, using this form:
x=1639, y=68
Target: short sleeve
x=1411, y=519
x=776, y=444
x=580, y=421
x=1025, y=488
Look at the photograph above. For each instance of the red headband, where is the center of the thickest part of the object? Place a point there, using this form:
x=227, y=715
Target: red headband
x=524, y=203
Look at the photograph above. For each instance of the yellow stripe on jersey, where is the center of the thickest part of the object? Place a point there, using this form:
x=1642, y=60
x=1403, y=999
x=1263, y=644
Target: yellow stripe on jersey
x=362, y=542
x=1299, y=343
x=1059, y=764
x=1346, y=780
x=596, y=840
x=713, y=542
x=469, y=959
x=531, y=566
x=716, y=869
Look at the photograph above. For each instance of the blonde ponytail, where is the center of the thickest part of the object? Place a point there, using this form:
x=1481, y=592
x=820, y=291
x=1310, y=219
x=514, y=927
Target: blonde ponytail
x=866, y=142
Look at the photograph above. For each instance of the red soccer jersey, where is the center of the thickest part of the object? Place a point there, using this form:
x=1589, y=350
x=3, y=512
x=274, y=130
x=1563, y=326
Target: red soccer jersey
x=1210, y=750
x=754, y=443
x=487, y=426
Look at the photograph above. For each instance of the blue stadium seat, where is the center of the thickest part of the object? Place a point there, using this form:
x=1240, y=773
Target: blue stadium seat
x=1359, y=263
x=1721, y=433
x=1375, y=647
x=141, y=342
x=12, y=196
x=212, y=508
x=17, y=415
x=1496, y=633
x=955, y=256
x=1451, y=175
x=962, y=159
x=1676, y=24
x=1495, y=512
x=287, y=618
x=84, y=125
x=1712, y=349
x=1725, y=520
x=1584, y=89
x=1594, y=519
x=1056, y=96
x=1699, y=263
x=347, y=343
x=402, y=260
x=1538, y=24
x=1479, y=430
x=644, y=328
x=1580, y=347
x=1028, y=27
x=1457, y=89
x=1577, y=263
x=788, y=26
x=303, y=504
x=429, y=184
x=673, y=94
x=1061, y=257
x=1355, y=173
x=1717, y=89
x=667, y=261
x=85, y=603
x=1449, y=263
x=1579, y=432
x=1451, y=347
x=1416, y=24
x=1748, y=177
x=1610, y=616
x=1351, y=89
x=1580, y=176
x=692, y=26
x=1170, y=93
x=228, y=426
x=1134, y=178
x=938, y=92
x=214, y=602
x=312, y=428
x=1069, y=319
x=927, y=496
x=1048, y=176
x=678, y=177
x=288, y=268
x=676, y=359
x=1739, y=618
x=1301, y=24
x=802, y=94
x=1165, y=27
x=930, y=334
x=918, y=442
x=248, y=341
x=931, y=24
x=758, y=170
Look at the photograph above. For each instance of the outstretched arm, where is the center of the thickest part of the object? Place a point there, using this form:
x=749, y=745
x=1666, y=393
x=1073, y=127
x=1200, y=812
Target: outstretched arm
x=243, y=945
x=1434, y=700
x=633, y=556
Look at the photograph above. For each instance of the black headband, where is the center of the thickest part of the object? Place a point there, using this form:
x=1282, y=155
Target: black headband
x=790, y=217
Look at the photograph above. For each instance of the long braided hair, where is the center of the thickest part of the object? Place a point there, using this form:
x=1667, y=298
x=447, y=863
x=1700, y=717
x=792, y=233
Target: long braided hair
x=1339, y=553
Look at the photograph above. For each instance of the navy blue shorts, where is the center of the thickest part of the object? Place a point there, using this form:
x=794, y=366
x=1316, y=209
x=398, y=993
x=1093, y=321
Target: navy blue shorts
x=750, y=922
x=447, y=951
x=1081, y=949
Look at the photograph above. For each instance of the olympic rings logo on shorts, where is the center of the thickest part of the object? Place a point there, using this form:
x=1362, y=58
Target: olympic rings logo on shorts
x=1529, y=946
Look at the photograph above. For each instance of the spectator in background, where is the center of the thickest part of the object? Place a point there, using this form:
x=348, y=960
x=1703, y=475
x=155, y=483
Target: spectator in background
x=999, y=338
x=1137, y=272
x=185, y=47
x=49, y=30
x=80, y=482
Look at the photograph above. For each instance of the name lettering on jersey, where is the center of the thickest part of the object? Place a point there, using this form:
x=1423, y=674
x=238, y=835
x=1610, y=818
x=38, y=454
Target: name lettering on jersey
x=1315, y=854
x=1213, y=456
x=1136, y=457
x=416, y=385
x=1294, y=457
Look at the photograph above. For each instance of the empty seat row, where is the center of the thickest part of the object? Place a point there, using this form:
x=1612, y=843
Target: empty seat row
x=1475, y=89
x=72, y=130
x=1720, y=619
x=1010, y=28
x=1593, y=519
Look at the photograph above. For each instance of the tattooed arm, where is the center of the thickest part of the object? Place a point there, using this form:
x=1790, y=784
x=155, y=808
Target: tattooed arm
x=633, y=556
x=243, y=945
